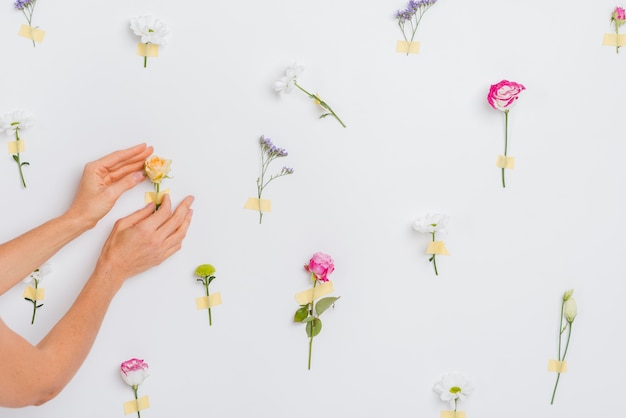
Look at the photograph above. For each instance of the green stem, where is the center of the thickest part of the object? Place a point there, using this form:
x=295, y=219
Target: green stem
x=206, y=286
x=135, y=387
x=145, y=61
x=558, y=376
x=322, y=103
x=506, y=140
x=434, y=259
x=311, y=313
x=616, y=37
x=157, y=189
x=561, y=329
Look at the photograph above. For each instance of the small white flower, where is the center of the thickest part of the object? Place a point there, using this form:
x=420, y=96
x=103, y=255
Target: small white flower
x=14, y=121
x=38, y=274
x=287, y=82
x=570, y=310
x=431, y=223
x=151, y=29
x=452, y=387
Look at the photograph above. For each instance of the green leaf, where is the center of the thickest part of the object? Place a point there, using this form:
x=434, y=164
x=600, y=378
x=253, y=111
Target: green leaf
x=39, y=306
x=324, y=115
x=16, y=158
x=211, y=279
x=30, y=300
x=325, y=303
x=25, y=163
x=313, y=327
x=301, y=314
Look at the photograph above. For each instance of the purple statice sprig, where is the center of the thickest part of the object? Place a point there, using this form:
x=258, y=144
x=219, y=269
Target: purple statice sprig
x=269, y=152
x=28, y=8
x=413, y=15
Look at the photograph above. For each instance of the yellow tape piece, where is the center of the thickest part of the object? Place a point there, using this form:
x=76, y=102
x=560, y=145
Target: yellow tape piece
x=147, y=50
x=16, y=146
x=612, y=39
x=452, y=414
x=136, y=405
x=408, y=47
x=505, y=162
x=205, y=302
x=309, y=295
x=437, y=247
x=254, y=203
x=557, y=366
x=156, y=197
x=31, y=33
x=34, y=294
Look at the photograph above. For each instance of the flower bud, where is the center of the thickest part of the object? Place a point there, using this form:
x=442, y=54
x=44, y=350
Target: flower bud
x=567, y=295
x=570, y=310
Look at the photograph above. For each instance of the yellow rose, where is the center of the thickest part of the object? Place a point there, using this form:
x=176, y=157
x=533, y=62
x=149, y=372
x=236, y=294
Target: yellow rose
x=157, y=168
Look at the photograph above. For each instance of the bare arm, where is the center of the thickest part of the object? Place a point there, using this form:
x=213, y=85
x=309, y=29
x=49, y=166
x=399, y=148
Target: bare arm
x=151, y=238
x=102, y=183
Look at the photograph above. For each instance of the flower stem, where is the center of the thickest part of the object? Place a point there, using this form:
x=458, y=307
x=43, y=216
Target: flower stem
x=616, y=37
x=506, y=140
x=206, y=286
x=434, y=259
x=145, y=61
x=569, y=335
x=321, y=103
x=135, y=392
x=311, y=313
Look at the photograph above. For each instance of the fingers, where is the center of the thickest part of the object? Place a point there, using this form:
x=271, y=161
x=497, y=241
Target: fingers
x=126, y=183
x=132, y=154
x=136, y=217
x=178, y=218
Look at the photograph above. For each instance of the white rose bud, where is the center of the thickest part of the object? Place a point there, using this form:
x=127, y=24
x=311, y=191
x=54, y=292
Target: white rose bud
x=570, y=310
x=567, y=295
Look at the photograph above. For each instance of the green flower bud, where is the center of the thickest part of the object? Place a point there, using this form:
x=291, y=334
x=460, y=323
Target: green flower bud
x=204, y=270
x=567, y=295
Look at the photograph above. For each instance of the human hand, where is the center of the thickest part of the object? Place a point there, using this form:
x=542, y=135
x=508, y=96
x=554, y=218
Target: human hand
x=105, y=179
x=144, y=239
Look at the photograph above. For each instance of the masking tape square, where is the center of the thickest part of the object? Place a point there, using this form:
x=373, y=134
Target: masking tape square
x=557, y=366
x=309, y=295
x=505, y=162
x=612, y=39
x=136, y=405
x=147, y=50
x=437, y=247
x=31, y=33
x=254, y=203
x=34, y=294
x=16, y=146
x=156, y=197
x=452, y=414
x=408, y=47
x=205, y=302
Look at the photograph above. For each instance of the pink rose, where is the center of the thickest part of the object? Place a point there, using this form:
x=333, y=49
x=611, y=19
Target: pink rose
x=321, y=265
x=619, y=13
x=134, y=372
x=503, y=94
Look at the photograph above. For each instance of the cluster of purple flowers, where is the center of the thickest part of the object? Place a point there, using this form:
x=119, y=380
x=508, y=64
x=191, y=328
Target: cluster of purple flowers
x=21, y=4
x=287, y=170
x=412, y=8
x=270, y=148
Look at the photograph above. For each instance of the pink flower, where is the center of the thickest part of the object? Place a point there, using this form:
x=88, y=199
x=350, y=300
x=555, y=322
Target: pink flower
x=503, y=94
x=134, y=372
x=321, y=265
x=619, y=14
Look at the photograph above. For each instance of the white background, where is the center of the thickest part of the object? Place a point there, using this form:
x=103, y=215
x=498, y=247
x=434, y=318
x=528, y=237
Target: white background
x=420, y=138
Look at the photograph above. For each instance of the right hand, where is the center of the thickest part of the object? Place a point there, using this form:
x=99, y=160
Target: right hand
x=144, y=239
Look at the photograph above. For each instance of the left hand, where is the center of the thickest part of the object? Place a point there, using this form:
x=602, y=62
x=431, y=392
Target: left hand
x=104, y=181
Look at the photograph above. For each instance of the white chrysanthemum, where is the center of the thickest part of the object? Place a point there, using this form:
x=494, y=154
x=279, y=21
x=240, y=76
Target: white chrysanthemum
x=151, y=29
x=431, y=223
x=39, y=273
x=288, y=81
x=14, y=121
x=452, y=387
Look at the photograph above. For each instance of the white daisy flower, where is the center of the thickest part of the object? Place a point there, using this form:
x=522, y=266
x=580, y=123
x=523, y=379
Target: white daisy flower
x=38, y=274
x=18, y=120
x=287, y=82
x=452, y=387
x=151, y=29
x=431, y=223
